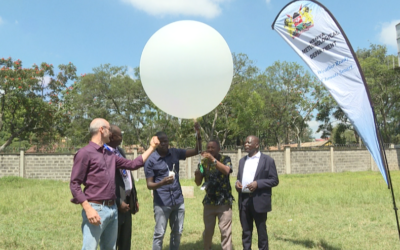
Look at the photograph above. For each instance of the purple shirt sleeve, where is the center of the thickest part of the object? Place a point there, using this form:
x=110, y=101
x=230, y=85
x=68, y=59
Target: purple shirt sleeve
x=78, y=175
x=130, y=164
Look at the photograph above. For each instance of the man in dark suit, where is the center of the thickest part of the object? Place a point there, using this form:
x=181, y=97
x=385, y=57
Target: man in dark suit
x=256, y=176
x=127, y=202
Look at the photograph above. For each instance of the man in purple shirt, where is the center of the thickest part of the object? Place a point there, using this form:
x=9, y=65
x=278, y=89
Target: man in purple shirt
x=94, y=167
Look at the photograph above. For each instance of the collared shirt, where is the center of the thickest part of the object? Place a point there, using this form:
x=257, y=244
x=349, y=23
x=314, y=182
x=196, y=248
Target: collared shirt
x=94, y=167
x=159, y=167
x=249, y=171
x=218, y=187
x=125, y=174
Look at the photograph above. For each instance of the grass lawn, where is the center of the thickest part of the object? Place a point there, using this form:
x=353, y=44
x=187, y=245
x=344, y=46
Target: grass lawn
x=316, y=211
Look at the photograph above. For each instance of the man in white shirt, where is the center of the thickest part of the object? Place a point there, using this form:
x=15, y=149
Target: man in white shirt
x=256, y=176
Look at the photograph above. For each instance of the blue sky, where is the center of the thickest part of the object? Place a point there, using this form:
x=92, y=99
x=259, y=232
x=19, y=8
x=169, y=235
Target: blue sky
x=93, y=32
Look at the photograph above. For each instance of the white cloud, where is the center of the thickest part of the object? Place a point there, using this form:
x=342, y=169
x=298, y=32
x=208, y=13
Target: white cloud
x=314, y=126
x=387, y=34
x=45, y=80
x=16, y=21
x=268, y=1
x=1, y=21
x=203, y=8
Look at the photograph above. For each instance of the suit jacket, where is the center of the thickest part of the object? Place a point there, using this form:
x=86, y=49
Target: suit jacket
x=120, y=189
x=266, y=177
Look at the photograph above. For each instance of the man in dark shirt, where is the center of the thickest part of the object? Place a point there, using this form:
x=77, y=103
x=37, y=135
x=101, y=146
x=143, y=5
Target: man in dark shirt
x=94, y=167
x=126, y=193
x=162, y=176
x=215, y=169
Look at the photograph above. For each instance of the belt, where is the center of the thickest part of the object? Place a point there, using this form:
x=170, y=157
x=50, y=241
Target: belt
x=104, y=202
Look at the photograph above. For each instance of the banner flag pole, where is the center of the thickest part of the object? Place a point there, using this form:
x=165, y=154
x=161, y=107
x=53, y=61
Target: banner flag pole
x=316, y=36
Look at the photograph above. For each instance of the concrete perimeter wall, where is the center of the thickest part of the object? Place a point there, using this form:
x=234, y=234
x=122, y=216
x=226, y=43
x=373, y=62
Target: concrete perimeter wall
x=58, y=166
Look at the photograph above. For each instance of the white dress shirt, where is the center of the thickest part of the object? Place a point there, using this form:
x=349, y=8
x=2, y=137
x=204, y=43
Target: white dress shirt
x=249, y=171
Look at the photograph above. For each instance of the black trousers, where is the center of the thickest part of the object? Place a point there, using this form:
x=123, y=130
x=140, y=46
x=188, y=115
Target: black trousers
x=247, y=216
x=124, y=231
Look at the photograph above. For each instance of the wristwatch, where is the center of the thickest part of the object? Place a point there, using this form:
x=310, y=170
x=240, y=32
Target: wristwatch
x=215, y=161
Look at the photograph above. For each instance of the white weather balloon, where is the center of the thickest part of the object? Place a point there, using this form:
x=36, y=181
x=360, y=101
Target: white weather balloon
x=186, y=69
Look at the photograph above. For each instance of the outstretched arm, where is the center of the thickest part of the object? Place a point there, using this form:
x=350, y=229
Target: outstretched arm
x=198, y=148
x=154, y=142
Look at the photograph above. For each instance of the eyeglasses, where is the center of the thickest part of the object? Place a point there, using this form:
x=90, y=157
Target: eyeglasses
x=108, y=128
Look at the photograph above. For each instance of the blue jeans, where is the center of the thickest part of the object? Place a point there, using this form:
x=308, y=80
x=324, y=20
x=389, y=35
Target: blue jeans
x=176, y=215
x=106, y=232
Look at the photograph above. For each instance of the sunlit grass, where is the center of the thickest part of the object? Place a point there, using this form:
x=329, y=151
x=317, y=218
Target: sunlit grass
x=318, y=211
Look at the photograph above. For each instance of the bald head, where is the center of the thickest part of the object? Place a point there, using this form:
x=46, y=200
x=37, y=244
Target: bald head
x=254, y=138
x=96, y=124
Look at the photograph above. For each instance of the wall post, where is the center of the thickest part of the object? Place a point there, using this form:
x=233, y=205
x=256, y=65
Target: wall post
x=21, y=163
x=371, y=162
x=288, y=167
x=332, y=160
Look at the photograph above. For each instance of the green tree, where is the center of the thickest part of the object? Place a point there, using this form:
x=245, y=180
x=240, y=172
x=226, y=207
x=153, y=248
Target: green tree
x=328, y=108
x=307, y=135
x=222, y=122
x=109, y=92
x=384, y=83
x=293, y=96
x=28, y=104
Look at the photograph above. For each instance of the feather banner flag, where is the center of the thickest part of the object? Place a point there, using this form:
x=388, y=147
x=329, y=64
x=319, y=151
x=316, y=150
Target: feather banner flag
x=312, y=31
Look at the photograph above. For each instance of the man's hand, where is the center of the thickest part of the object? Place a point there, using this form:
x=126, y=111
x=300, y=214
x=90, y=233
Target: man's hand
x=154, y=142
x=168, y=180
x=124, y=207
x=238, y=186
x=252, y=186
x=208, y=156
x=93, y=216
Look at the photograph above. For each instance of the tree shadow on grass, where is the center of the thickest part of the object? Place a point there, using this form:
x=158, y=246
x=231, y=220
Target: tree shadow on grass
x=321, y=244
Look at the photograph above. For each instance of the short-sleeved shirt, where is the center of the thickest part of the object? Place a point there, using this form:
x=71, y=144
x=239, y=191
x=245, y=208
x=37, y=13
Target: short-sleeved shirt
x=218, y=187
x=159, y=167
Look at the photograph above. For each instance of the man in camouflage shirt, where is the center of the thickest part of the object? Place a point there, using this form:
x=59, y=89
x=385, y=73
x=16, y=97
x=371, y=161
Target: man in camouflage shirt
x=215, y=169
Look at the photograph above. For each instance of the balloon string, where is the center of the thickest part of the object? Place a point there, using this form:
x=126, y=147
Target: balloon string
x=198, y=144
x=198, y=148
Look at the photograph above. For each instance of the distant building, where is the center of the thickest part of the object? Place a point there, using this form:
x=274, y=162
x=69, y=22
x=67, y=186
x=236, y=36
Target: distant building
x=398, y=41
x=314, y=144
